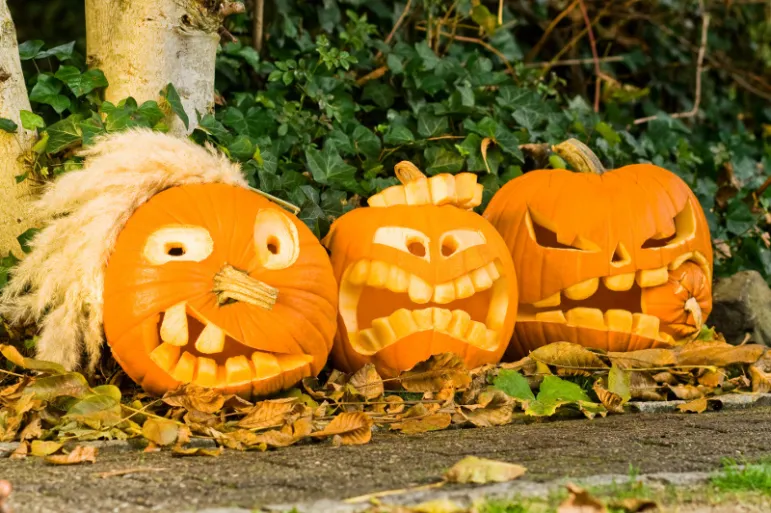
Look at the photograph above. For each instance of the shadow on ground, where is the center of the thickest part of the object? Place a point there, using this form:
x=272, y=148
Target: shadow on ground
x=550, y=450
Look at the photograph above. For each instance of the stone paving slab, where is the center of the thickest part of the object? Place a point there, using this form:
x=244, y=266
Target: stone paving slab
x=551, y=450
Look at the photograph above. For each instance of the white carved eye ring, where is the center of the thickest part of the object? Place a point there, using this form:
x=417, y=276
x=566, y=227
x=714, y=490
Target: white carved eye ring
x=404, y=239
x=178, y=243
x=276, y=240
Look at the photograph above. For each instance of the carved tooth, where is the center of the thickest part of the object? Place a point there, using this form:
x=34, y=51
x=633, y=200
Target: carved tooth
x=582, y=290
x=464, y=287
x=165, y=356
x=360, y=272
x=417, y=192
x=237, y=370
x=553, y=300
x=619, y=320
x=499, y=305
x=442, y=318
x=367, y=341
x=424, y=318
x=398, y=279
x=403, y=323
x=378, y=274
x=551, y=316
x=619, y=282
x=206, y=373
x=493, y=271
x=476, y=334
x=174, y=325
x=420, y=292
x=442, y=189
x=645, y=325
x=666, y=337
x=394, y=195
x=481, y=279
x=680, y=260
x=652, y=277
x=211, y=340
x=444, y=293
x=289, y=362
x=586, y=318
x=459, y=324
x=384, y=333
x=185, y=369
x=491, y=340
x=265, y=365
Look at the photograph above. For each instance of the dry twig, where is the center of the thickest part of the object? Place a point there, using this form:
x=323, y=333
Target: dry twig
x=258, y=24
x=595, y=57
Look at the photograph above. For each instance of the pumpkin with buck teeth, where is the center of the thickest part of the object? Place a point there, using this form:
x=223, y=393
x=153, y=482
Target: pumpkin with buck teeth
x=618, y=260
x=420, y=274
x=215, y=285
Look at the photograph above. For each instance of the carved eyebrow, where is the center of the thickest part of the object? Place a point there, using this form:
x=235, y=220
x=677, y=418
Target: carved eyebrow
x=544, y=232
x=685, y=228
x=404, y=239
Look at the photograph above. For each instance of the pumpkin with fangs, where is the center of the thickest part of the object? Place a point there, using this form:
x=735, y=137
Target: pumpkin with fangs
x=217, y=286
x=421, y=274
x=616, y=260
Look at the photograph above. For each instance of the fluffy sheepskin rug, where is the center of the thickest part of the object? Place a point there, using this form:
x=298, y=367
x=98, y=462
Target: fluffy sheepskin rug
x=60, y=283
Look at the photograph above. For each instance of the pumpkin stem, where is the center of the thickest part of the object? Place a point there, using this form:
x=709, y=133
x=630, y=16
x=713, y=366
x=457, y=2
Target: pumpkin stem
x=289, y=206
x=230, y=284
x=407, y=172
x=579, y=156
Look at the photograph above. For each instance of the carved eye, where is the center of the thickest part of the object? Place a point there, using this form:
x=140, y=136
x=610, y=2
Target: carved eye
x=404, y=239
x=275, y=239
x=455, y=241
x=544, y=232
x=178, y=243
x=685, y=228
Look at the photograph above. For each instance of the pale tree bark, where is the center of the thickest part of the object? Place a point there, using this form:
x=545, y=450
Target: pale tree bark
x=14, y=206
x=143, y=45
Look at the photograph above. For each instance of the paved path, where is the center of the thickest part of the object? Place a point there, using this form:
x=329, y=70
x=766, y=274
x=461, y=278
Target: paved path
x=654, y=443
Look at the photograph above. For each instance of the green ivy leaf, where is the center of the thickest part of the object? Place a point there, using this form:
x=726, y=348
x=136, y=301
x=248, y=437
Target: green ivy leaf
x=25, y=238
x=514, y=385
x=442, y=160
x=8, y=125
x=175, y=102
x=46, y=91
x=430, y=125
x=398, y=135
x=62, y=52
x=555, y=389
x=64, y=134
x=31, y=121
x=327, y=167
x=81, y=83
x=30, y=49
x=366, y=142
x=739, y=218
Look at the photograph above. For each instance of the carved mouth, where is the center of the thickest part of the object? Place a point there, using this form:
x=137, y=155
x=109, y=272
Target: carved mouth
x=195, y=350
x=382, y=304
x=611, y=303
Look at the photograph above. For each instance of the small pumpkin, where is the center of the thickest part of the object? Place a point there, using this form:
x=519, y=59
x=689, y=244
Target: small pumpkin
x=215, y=285
x=617, y=260
x=421, y=274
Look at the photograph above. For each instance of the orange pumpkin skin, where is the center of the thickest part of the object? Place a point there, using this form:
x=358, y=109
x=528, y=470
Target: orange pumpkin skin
x=149, y=287
x=587, y=248
x=407, y=283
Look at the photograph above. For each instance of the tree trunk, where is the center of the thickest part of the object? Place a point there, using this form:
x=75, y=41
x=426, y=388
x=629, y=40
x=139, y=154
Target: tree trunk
x=143, y=45
x=14, y=207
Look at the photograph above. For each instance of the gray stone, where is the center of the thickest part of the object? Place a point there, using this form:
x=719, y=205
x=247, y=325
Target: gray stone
x=741, y=305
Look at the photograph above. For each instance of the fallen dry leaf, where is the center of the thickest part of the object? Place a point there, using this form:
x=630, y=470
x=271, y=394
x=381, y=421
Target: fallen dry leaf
x=569, y=356
x=761, y=381
x=712, y=379
x=494, y=408
x=353, y=428
x=631, y=505
x=160, y=432
x=580, y=501
x=611, y=401
x=433, y=422
x=437, y=506
x=80, y=454
x=480, y=471
x=687, y=392
x=193, y=397
x=644, y=358
x=368, y=382
x=21, y=451
x=32, y=430
x=444, y=370
x=696, y=406
x=718, y=354
x=41, y=448
x=269, y=413
x=180, y=451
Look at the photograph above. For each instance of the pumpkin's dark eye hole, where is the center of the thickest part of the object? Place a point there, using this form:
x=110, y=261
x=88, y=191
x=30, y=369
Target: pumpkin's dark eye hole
x=175, y=250
x=273, y=245
x=546, y=237
x=416, y=248
x=449, y=246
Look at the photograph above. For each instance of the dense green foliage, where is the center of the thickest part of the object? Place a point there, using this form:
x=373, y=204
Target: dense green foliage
x=332, y=103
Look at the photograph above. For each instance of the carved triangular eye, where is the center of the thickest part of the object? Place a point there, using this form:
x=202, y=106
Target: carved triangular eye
x=542, y=231
x=685, y=228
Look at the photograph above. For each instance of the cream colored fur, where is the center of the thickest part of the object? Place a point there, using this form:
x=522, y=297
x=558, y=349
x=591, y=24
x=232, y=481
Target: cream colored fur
x=59, y=284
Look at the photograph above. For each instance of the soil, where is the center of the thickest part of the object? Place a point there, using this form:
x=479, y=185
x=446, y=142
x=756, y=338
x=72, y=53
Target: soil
x=550, y=450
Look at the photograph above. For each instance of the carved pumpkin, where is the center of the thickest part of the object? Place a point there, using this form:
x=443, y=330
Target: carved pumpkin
x=421, y=274
x=215, y=285
x=617, y=260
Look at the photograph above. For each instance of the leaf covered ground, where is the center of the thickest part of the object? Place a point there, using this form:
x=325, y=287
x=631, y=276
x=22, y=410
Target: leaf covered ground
x=44, y=407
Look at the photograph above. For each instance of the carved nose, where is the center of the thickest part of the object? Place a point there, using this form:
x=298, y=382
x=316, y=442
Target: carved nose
x=230, y=285
x=620, y=256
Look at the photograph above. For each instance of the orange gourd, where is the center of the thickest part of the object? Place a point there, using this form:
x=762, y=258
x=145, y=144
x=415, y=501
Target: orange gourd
x=617, y=260
x=215, y=285
x=421, y=274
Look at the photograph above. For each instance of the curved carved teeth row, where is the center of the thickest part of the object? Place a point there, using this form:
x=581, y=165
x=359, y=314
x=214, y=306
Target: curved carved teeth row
x=612, y=320
x=386, y=331
x=174, y=331
x=379, y=274
x=237, y=370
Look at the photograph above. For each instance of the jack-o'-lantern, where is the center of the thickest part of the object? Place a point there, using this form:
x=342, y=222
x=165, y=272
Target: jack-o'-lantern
x=194, y=277
x=214, y=285
x=421, y=274
x=617, y=260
